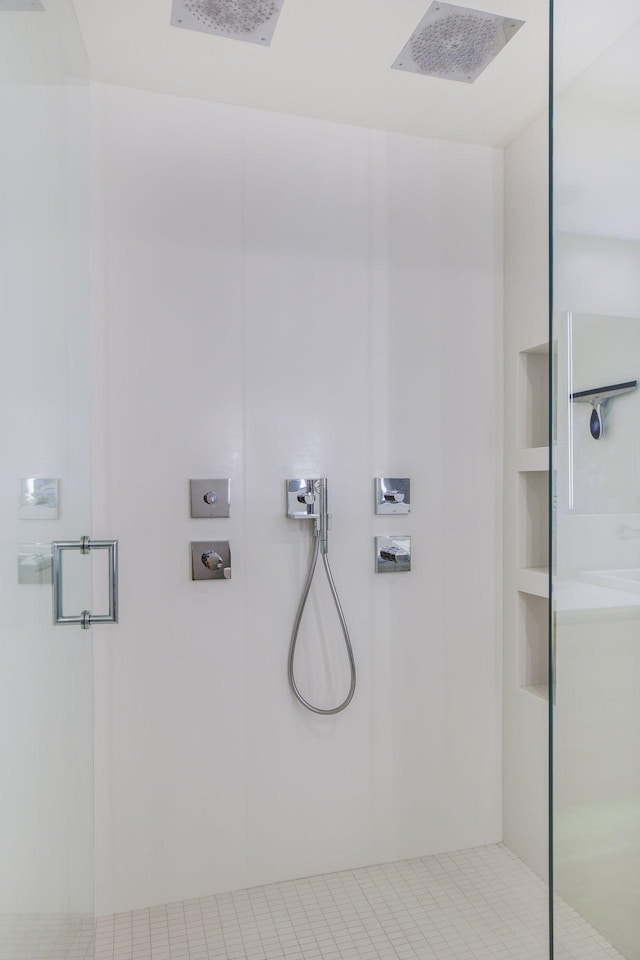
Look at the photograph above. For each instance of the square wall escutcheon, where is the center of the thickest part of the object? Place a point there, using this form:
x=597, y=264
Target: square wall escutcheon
x=210, y=560
x=34, y=563
x=210, y=498
x=38, y=498
x=392, y=495
x=393, y=554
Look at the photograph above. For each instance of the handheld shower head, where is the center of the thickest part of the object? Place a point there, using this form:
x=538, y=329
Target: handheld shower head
x=308, y=500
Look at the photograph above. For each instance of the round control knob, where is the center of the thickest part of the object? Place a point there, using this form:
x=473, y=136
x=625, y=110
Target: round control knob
x=210, y=497
x=212, y=560
x=393, y=553
x=394, y=496
x=306, y=497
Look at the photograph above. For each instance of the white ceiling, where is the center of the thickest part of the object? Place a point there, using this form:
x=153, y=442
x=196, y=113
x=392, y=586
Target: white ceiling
x=331, y=59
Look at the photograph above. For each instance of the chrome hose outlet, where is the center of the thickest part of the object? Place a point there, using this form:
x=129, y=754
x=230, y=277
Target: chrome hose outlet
x=312, y=494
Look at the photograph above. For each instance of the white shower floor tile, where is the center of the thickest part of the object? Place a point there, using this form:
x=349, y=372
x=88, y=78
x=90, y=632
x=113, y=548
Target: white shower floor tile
x=29, y=936
x=479, y=904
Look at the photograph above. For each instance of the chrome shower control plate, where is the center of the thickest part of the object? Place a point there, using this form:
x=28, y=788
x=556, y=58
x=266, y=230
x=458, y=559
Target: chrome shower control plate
x=210, y=560
x=34, y=563
x=210, y=498
x=303, y=499
x=393, y=554
x=392, y=495
x=38, y=499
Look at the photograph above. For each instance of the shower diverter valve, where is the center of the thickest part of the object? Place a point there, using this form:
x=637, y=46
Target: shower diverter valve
x=393, y=495
x=393, y=554
x=210, y=560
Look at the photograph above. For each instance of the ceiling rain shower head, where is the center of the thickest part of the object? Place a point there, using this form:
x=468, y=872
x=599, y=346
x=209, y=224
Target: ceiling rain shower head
x=253, y=21
x=455, y=43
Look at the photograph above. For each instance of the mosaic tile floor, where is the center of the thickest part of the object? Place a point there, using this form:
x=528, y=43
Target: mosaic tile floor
x=46, y=937
x=480, y=904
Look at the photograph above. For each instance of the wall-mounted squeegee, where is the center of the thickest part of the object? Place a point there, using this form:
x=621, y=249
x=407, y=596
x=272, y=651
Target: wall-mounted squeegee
x=601, y=399
x=307, y=500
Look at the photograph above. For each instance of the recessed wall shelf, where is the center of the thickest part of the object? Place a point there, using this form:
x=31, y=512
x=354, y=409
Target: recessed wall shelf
x=533, y=518
x=540, y=690
x=532, y=479
x=533, y=655
x=531, y=459
x=533, y=389
x=534, y=581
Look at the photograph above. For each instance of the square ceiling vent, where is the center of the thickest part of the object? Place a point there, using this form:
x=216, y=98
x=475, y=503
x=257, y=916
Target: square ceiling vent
x=455, y=43
x=253, y=21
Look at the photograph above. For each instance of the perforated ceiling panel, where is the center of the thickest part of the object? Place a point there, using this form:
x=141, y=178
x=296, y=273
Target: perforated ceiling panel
x=455, y=43
x=253, y=21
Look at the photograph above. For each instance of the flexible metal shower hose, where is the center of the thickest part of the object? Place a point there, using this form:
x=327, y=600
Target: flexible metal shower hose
x=345, y=633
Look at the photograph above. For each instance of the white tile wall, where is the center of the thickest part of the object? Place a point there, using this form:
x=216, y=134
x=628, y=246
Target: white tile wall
x=277, y=297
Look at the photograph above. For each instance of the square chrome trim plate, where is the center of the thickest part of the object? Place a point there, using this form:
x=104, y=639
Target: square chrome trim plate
x=210, y=498
x=393, y=554
x=38, y=498
x=392, y=495
x=210, y=560
x=455, y=43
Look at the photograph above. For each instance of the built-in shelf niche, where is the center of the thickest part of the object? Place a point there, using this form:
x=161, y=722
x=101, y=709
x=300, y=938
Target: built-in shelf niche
x=533, y=389
x=534, y=580
x=531, y=459
x=533, y=519
x=532, y=575
x=533, y=644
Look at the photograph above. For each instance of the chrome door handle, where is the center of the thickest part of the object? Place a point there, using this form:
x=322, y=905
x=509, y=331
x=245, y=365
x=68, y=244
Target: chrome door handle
x=84, y=545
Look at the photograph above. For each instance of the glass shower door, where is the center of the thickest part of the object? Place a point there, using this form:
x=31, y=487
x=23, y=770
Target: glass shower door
x=46, y=714
x=596, y=571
